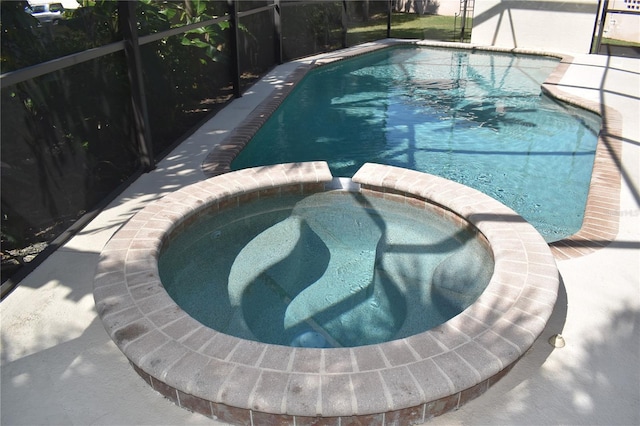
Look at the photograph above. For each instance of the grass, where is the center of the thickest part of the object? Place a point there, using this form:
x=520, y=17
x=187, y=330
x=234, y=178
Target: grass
x=408, y=26
x=614, y=47
x=614, y=42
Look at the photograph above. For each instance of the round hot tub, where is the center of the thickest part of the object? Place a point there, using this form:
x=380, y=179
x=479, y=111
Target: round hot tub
x=326, y=270
x=280, y=294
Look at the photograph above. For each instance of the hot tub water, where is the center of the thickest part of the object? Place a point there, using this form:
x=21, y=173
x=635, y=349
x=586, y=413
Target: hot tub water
x=331, y=269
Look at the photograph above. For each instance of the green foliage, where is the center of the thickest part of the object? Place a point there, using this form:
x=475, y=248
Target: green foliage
x=68, y=137
x=311, y=28
x=209, y=38
x=20, y=41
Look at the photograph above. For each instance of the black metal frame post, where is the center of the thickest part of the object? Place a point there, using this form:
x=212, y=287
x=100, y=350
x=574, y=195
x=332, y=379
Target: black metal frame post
x=344, y=24
x=127, y=17
x=464, y=21
x=601, y=16
x=277, y=30
x=389, y=18
x=235, y=53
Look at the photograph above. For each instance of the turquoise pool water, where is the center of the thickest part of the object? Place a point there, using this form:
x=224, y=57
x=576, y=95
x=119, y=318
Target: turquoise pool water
x=331, y=269
x=476, y=118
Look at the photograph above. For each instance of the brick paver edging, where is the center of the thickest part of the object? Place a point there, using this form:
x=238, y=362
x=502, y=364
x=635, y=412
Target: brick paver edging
x=400, y=382
x=601, y=218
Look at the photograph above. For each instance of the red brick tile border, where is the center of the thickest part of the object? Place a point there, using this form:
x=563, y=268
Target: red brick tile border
x=601, y=218
x=403, y=381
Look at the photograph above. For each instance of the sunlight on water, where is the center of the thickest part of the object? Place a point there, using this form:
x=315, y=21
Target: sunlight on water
x=476, y=118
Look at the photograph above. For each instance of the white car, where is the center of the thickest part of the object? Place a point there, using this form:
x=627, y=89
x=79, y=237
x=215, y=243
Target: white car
x=47, y=13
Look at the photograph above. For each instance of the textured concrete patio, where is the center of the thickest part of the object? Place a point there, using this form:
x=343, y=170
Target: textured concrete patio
x=59, y=366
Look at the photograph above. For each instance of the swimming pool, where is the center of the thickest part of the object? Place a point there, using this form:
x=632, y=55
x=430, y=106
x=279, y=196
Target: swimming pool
x=478, y=118
x=212, y=373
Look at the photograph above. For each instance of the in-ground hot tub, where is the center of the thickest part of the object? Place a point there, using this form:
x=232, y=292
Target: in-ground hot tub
x=408, y=379
x=328, y=269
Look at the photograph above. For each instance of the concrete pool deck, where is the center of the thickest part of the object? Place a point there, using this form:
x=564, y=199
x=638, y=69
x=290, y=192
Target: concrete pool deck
x=59, y=365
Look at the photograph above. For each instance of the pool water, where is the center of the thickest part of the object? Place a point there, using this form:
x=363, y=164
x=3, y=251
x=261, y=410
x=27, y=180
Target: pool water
x=333, y=269
x=473, y=117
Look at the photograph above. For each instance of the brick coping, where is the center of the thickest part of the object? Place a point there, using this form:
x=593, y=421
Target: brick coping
x=400, y=382
x=601, y=217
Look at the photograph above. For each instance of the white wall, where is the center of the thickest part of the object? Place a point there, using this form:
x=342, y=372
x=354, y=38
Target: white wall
x=445, y=7
x=561, y=26
x=623, y=27
x=449, y=7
